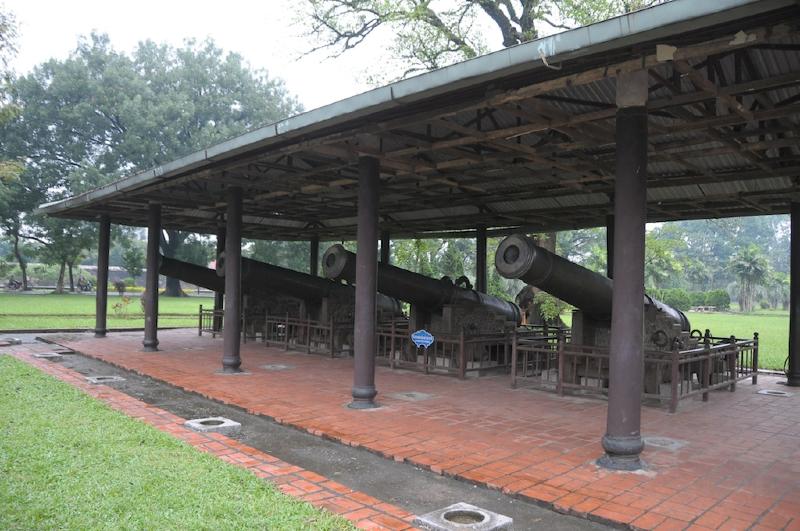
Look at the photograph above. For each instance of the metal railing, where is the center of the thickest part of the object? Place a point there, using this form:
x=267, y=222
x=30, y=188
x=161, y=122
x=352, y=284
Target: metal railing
x=669, y=376
x=300, y=334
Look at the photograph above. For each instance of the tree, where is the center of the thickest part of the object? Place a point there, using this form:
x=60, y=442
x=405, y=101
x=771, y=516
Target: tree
x=63, y=243
x=132, y=258
x=101, y=114
x=751, y=269
x=429, y=34
x=660, y=263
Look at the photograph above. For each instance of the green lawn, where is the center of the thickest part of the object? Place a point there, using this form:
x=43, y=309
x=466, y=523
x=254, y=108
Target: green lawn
x=68, y=461
x=772, y=327
x=77, y=311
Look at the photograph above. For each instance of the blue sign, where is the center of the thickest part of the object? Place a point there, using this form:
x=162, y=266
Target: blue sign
x=422, y=338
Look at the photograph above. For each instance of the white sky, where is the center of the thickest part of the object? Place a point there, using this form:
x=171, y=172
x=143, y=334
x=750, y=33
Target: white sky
x=261, y=31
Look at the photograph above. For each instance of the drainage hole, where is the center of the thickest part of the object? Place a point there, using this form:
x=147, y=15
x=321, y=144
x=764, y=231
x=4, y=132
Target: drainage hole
x=464, y=517
x=212, y=422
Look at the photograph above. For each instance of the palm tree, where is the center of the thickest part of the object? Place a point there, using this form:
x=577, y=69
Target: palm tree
x=751, y=268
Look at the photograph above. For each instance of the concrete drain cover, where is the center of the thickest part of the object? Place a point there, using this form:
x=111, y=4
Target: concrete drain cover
x=665, y=443
x=52, y=356
x=774, y=392
x=104, y=379
x=463, y=516
x=8, y=341
x=410, y=396
x=213, y=424
x=277, y=367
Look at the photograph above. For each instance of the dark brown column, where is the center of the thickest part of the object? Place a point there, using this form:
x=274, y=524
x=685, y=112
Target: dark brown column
x=366, y=284
x=793, y=372
x=218, y=295
x=313, y=256
x=623, y=441
x=610, y=246
x=101, y=293
x=232, y=324
x=386, y=247
x=481, y=278
x=151, y=281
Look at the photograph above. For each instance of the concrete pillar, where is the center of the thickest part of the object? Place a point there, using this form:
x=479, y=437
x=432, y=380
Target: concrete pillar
x=231, y=336
x=313, y=256
x=101, y=293
x=219, y=295
x=610, y=246
x=151, y=281
x=366, y=284
x=386, y=247
x=793, y=371
x=481, y=278
x=623, y=441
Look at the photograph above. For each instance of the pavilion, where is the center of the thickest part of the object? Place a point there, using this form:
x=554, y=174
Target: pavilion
x=686, y=110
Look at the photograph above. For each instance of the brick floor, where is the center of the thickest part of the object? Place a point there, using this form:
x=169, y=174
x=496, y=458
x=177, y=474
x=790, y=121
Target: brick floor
x=364, y=511
x=739, y=469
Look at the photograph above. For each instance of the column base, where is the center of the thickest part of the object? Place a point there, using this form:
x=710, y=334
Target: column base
x=625, y=463
x=793, y=381
x=622, y=453
x=100, y=333
x=231, y=365
x=150, y=345
x=363, y=398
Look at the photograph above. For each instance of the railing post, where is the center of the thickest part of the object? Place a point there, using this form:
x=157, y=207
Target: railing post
x=200, y=322
x=243, y=317
x=286, y=332
x=674, y=382
x=560, y=346
x=755, y=358
x=709, y=367
x=514, y=359
x=308, y=335
x=391, y=342
x=424, y=359
x=733, y=359
x=332, y=340
x=462, y=357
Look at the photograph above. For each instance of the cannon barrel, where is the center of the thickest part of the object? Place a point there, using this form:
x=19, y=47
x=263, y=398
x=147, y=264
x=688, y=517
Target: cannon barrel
x=340, y=264
x=519, y=257
x=267, y=279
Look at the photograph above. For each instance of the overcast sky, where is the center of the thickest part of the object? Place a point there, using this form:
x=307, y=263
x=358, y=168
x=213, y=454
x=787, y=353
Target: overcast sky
x=263, y=32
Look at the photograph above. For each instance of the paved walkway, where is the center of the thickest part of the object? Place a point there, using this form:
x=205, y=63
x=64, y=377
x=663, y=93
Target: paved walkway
x=737, y=469
x=365, y=511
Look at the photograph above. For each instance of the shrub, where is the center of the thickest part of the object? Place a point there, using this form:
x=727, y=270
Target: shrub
x=719, y=298
x=120, y=287
x=697, y=298
x=677, y=298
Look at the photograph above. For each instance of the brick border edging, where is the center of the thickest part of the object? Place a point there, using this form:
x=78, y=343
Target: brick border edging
x=363, y=510
x=540, y=502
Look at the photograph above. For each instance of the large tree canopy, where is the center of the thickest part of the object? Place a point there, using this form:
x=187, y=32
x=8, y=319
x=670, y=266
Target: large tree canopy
x=101, y=114
x=430, y=34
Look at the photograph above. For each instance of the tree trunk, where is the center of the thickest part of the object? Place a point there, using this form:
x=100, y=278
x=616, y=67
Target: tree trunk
x=170, y=246
x=71, y=278
x=23, y=265
x=173, y=288
x=60, y=282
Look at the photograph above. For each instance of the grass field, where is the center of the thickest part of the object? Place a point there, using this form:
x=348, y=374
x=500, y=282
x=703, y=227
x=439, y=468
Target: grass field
x=70, y=462
x=22, y=311
x=772, y=327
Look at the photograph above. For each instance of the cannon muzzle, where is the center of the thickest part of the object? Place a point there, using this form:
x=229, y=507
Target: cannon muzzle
x=340, y=264
x=518, y=257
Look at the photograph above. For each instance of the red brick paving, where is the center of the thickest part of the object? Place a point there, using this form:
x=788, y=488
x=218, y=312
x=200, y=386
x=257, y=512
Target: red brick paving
x=364, y=511
x=738, y=470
